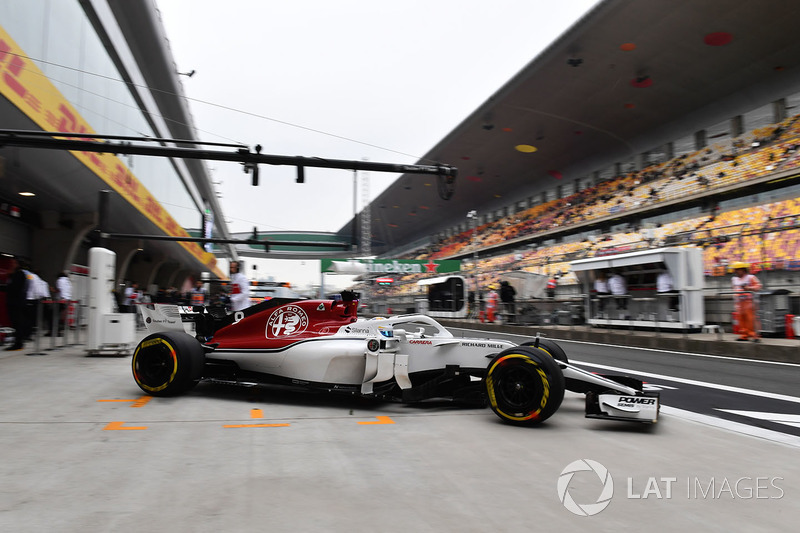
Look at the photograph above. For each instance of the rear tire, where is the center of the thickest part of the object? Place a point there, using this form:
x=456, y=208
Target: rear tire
x=525, y=385
x=167, y=363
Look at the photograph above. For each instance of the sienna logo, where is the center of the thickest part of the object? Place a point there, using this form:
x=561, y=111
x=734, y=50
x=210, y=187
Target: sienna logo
x=286, y=321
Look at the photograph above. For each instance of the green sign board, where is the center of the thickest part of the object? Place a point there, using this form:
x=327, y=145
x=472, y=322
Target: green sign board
x=399, y=266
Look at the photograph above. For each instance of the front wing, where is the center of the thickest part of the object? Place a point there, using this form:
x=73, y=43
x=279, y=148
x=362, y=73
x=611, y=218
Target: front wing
x=610, y=399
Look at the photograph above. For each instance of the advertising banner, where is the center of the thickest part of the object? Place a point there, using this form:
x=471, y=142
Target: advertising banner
x=27, y=87
x=398, y=266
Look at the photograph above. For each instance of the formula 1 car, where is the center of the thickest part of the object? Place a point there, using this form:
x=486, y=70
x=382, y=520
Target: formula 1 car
x=322, y=345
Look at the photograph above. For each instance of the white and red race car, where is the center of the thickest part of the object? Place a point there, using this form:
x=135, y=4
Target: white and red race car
x=322, y=345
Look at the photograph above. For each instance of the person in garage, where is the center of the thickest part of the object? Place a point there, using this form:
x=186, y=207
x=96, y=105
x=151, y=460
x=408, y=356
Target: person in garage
x=132, y=297
x=199, y=294
x=239, y=288
x=63, y=296
x=16, y=302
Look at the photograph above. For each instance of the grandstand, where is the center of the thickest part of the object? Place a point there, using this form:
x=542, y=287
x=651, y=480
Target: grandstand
x=763, y=234
x=599, y=203
x=708, y=154
x=767, y=235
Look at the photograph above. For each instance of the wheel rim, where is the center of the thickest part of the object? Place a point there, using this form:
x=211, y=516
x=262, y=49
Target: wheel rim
x=520, y=388
x=155, y=365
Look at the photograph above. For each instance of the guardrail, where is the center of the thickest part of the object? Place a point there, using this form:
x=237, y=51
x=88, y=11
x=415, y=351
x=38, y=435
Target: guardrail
x=60, y=327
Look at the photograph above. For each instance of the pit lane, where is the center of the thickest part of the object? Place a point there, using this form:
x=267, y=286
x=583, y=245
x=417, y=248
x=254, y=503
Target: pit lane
x=84, y=449
x=748, y=396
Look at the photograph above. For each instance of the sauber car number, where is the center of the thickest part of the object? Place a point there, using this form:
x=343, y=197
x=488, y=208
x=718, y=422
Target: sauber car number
x=286, y=321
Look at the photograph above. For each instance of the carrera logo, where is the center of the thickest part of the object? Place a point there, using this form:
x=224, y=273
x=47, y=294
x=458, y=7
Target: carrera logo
x=286, y=321
x=636, y=399
x=429, y=343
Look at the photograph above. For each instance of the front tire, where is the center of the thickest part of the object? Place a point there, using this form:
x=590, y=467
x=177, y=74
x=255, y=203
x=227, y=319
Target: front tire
x=168, y=364
x=525, y=385
x=551, y=347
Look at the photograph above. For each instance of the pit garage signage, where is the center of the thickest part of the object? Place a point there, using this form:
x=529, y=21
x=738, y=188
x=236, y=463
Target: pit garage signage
x=399, y=266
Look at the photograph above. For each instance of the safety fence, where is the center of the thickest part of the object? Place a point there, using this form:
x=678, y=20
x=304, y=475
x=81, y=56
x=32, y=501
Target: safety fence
x=63, y=321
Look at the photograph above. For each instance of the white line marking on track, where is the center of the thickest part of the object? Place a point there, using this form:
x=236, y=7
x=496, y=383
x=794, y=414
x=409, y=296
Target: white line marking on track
x=693, y=354
x=778, y=418
x=774, y=436
x=654, y=387
x=736, y=427
x=706, y=384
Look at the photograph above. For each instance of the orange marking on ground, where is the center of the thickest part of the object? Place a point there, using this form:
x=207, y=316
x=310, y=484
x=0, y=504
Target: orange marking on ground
x=117, y=426
x=257, y=426
x=139, y=402
x=256, y=413
x=381, y=420
x=142, y=401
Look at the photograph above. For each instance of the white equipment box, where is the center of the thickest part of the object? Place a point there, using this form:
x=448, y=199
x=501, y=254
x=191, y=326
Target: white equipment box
x=109, y=332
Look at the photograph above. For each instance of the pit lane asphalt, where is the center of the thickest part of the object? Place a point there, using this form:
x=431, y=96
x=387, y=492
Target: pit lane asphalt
x=84, y=450
x=752, y=395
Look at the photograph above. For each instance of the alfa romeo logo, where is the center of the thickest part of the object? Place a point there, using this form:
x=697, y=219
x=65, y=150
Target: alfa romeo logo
x=586, y=509
x=286, y=321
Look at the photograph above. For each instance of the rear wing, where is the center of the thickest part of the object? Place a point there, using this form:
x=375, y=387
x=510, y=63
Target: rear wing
x=165, y=317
